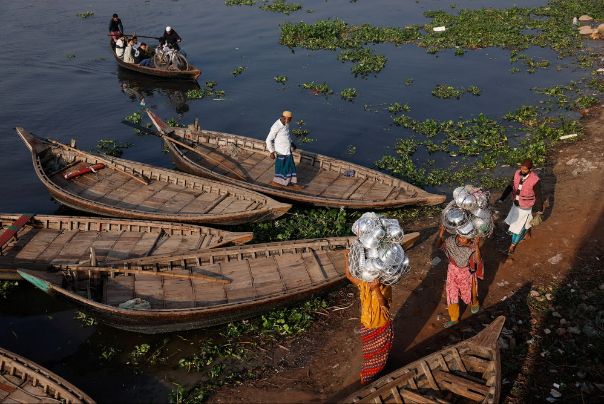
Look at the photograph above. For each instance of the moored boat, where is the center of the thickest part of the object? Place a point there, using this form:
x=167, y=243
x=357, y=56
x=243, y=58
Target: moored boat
x=23, y=381
x=191, y=73
x=328, y=181
x=467, y=372
x=204, y=288
x=38, y=241
x=128, y=189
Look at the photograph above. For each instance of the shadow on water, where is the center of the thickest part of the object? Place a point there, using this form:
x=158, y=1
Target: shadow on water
x=138, y=87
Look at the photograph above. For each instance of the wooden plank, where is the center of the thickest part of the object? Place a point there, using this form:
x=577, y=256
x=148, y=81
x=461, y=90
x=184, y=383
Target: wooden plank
x=313, y=267
x=338, y=260
x=323, y=260
x=458, y=360
x=461, y=386
x=130, y=245
x=38, y=244
x=150, y=288
x=14, y=228
x=208, y=294
x=412, y=397
x=428, y=373
x=293, y=272
x=360, y=192
x=118, y=290
x=71, y=247
x=320, y=182
x=178, y=293
x=200, y=203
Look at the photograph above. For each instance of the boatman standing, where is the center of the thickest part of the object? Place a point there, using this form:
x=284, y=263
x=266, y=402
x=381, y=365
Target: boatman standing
x=115, y=27
x=525, y=187
x=280, y=146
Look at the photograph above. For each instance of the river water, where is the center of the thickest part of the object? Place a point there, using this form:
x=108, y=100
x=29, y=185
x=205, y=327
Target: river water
x=86, y=97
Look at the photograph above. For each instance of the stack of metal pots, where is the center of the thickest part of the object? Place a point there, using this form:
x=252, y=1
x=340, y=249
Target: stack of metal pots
x=469, y=214
x=377, y=251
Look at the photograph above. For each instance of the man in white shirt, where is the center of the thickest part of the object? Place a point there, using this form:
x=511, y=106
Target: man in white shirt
x=280, y=146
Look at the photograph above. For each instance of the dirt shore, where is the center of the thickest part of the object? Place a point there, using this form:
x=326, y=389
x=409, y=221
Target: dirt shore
x=324, y=364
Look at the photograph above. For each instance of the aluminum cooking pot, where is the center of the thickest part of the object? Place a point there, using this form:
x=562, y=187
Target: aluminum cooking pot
x=395, y=232
x=454, y=218
x=468, y=202
x=467, y=230
x=393, y=255
x=460, y=196
x=371, y=253
x=378, y=232
x=482, y=213
x=369, y=241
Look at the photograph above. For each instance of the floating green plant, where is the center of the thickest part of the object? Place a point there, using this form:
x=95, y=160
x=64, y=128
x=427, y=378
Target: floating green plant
x=69, y=56
x=86, y=14
x=280, y=6
x=396, y=108
x=7, y=287
x=351, y=149
x=444, y=91
x=240, y=2
x=317, y=89
x=349, y=94
x=280, y=79
x=111, y=147
x=367, y=63
x=238, y=71
x=408, y=82
x=85, y=320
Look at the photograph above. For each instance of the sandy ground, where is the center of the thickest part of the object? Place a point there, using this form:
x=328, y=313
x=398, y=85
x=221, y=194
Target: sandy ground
x=324, y=364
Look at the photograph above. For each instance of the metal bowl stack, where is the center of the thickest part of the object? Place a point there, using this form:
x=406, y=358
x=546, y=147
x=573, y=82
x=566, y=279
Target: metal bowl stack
x=469, y=214
x=377, y=252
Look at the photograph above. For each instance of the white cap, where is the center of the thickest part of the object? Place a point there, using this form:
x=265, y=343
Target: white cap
x=168, y=29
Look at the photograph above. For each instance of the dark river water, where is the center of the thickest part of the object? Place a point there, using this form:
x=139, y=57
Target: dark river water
x=86, y=97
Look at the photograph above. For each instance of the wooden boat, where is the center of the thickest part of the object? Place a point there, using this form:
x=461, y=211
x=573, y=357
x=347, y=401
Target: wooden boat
x=204, y=288
x=192, y=73
x=23, y=381
x=38, y=241
x=245, y=162
x=467, y=372
x=140, y=191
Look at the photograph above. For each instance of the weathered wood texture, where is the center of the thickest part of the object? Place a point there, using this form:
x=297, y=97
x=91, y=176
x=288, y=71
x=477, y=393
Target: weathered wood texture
x=23, y=381
x=168, y=196
x=261, y=277
x=67, y=240
x=245, y=162
x=470, y=370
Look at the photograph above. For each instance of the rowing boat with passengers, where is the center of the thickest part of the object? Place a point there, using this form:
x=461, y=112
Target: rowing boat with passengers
x=205, y=288
x=24, y=381
x=164, y=70
x=123, y=188
x=467, y=372
x=39, y=241
x=244, y=162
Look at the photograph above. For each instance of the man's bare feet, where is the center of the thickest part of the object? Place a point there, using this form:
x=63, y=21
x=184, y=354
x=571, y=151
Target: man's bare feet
x=274, y=184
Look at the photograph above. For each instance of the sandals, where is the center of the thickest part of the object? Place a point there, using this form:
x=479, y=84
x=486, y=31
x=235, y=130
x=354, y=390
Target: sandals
x=507, y=252
x=474, y=309
x=450, y=323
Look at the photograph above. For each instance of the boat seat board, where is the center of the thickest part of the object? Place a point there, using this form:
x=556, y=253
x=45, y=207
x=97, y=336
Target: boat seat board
x=178, y=293
x=14, y=228
x=118, y=290
x=461, y=386
x=292, y=270
x=326, y=264
x=150, y=288
x=267, y=279
x=37, y=244
x=208, y=293
x=70, y=247
x=131, y=245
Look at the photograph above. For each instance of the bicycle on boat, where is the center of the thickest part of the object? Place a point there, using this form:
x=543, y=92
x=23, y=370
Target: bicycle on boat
x=170, y=59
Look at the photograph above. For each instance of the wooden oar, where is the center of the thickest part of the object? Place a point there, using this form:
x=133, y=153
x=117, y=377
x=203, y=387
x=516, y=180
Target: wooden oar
x=168, y=138
x=105, y=161
x=142, y=272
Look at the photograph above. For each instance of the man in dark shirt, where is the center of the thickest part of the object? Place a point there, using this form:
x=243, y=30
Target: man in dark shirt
x=140, y=55
x=115, y=28
x=170, y=38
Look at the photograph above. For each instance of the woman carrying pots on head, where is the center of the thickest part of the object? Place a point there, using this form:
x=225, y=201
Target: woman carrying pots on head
x=377, y=332
x=464, y=261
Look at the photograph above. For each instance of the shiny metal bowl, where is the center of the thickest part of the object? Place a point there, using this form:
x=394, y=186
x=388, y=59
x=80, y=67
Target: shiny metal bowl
x=460, y=195
x=392, y=255
x=371, y=253
x=369, y=241
x=395, y=233
x=378, y=232
x=467, y=230
x=482, y=213
x=454, y=218
x=468, y=202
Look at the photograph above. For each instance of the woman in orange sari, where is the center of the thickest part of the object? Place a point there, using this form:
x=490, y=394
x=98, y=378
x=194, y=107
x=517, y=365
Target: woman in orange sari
x=377, y=332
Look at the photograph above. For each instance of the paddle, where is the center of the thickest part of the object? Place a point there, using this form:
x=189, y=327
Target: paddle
x=105, y=161
x=168, y=138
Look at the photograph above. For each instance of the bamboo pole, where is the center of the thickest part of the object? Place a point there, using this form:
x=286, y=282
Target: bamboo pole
x=139, y=271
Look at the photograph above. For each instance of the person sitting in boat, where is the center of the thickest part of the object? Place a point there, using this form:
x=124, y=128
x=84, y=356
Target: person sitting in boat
x=170, y=39
x=128, y=52
x=120, y=46
x=115, y=28
x=136, y=44
x=140, y=55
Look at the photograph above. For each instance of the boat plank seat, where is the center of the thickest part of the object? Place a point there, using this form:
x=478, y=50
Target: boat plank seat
x=266, y=175
x=266, y=277
x=292, y=271
x=388, y=389
x=325, y=263
x=151, y=289
x=98, y=189
x=163, y=197
x=320, y=182
x=201, y=203
x=241, y=286
x=360, y=192
x=461, y=386
x=12, y=230
x=37, y=244
x=180, y=200
x=341, y=185
x=338, y=260
x=476, y=364
x=263, y=165
x=70, y=247
x=208, y=293
x=120, y=192
x=316, y=272
x=178, y=292
x=118, y=290
x=102, y=246
x=413, y=397
x=132, y=245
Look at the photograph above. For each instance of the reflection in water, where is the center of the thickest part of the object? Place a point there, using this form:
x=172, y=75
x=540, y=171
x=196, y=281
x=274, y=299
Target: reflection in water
x=139, y=87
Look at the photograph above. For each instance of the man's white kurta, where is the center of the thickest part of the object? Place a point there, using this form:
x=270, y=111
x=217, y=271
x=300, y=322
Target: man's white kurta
x=279, y=139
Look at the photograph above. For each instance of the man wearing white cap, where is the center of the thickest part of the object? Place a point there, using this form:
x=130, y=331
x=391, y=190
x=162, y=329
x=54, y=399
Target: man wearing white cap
x=280, y=146
x=170, y=38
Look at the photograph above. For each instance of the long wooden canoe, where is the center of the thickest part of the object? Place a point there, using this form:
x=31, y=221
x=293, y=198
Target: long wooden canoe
x=46, y=240
x=23, y=381
x=190, y=74
x=467, y=372
x=245, y=162
x=135, y=190
x=236, y=283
